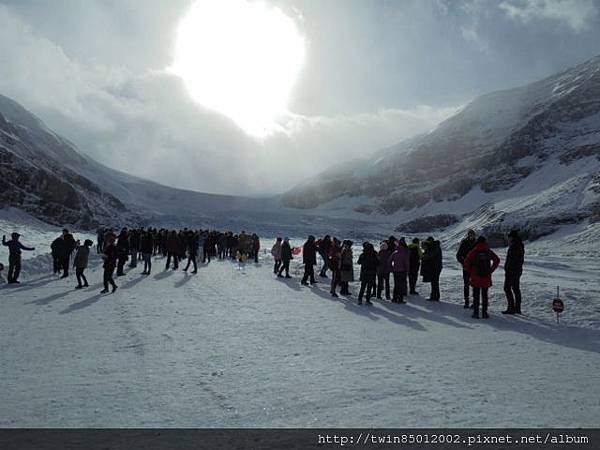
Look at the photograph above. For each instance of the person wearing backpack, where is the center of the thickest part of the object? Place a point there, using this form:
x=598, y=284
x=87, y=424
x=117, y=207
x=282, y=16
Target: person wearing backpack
x=481, y=262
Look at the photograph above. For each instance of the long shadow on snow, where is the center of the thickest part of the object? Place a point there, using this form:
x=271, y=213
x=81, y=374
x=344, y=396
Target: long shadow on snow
x=186, y=277
x=371, y=312
x=42, y=281
x=49, y=299
x=82, y=304
x=408, y=309
x=131, y=283
x=566, y=336
x=164, y=274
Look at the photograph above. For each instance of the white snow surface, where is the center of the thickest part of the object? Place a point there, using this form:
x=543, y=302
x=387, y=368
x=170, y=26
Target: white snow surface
x=235, y=346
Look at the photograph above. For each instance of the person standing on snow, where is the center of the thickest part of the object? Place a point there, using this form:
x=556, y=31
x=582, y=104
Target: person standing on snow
x=58, y=250
x=309, y=258
x=80, y=263
x=66, y=255
x=276, y=254
x=192, y=251
x=335, y=262
x=481, y=262
x=384, y=270
x=513, y=268
x=123, y=251
x=400, y=263
x=347, y=267
x=147, y=248
x=173, y=250
x=14, y=257
x=431, y=266
x=368, y=261
x=286, y=257
x=324, y=246
x=255, y=246
x=466, y=245
x=110, y=256
x=414, y=264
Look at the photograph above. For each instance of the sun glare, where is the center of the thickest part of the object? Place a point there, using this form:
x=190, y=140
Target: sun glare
x=240, y=58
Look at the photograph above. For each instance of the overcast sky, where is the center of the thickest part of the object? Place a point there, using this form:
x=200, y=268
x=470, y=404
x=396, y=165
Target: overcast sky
x=375, y=73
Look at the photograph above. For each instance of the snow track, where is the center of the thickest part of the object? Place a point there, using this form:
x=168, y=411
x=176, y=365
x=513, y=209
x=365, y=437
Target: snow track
x=229, y=347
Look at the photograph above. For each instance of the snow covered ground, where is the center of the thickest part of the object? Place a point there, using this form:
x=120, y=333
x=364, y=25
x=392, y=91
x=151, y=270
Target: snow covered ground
x=238, y=347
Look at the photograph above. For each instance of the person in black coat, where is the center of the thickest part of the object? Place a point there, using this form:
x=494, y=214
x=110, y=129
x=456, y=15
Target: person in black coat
x=110, y=256
x=59, y=250
x=431, y=266
x=122, y=251
x=192, y=251
x=369, y=262
x=309, y=258
x=69, y=242
x=286, y=257
x=513, y=268
x=324, y=246
x=147, y=248
x=466, y=245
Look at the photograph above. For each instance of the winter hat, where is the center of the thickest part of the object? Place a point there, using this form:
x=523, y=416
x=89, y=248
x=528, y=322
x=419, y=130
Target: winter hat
x=430, y=239
x=15, y=235
x=481, y=240
x=514, y=234
x=88, y=243
x=286, y=239
x=415, y=240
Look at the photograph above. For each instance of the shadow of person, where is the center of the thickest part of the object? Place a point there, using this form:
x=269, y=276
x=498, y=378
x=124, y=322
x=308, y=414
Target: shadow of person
x=49, y=299
x=186, y=277
x=372, y=312
x=82, y=304
x=131, y=283
x=164, y=274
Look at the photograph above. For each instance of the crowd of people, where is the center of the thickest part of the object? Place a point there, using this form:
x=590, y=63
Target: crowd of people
x=395, y=263
x=401, y=263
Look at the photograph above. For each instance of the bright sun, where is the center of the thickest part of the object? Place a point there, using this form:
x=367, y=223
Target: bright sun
x=240, y=58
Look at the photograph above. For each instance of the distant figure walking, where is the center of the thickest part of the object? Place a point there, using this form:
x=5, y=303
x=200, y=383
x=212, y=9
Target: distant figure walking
x=14, y=256
x=286, y=257
x=309, y=257
x=80, y=262
x=513, y=268
x=481, y=262
x=110, y=256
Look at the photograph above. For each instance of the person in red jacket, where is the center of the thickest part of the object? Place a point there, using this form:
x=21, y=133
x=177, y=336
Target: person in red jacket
x=481, y=263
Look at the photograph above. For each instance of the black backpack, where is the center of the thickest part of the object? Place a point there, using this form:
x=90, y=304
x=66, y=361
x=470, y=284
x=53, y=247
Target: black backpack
x=482, y=264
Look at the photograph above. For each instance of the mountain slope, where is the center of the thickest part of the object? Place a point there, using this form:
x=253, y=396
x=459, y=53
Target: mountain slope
x=44, y=174
x=538, y=142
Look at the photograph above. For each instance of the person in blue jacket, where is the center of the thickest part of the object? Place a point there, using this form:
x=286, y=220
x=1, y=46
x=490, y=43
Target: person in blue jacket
x=14, y=256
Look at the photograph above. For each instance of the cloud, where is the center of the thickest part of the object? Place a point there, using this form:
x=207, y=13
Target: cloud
x=144, y=122
x=574, y=13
